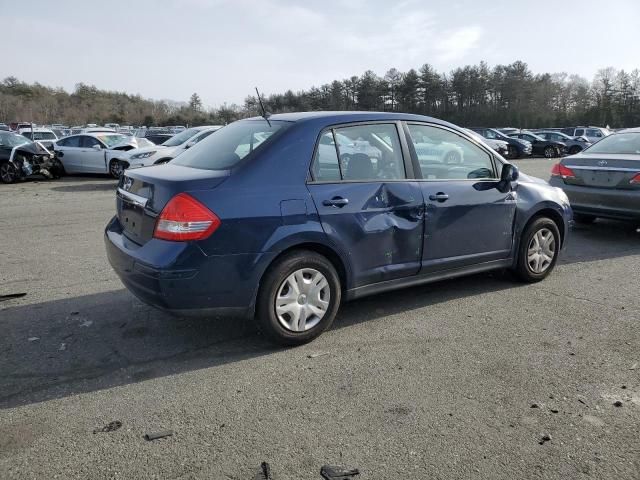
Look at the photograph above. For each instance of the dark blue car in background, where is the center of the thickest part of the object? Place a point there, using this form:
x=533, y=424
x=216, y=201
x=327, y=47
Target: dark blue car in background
x=282, y=218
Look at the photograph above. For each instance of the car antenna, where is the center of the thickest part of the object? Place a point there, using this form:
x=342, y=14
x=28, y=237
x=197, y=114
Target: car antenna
x=265, y=115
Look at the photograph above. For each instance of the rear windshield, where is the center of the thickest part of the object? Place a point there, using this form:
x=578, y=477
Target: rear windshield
x=622, y=143
x=41, y=135
x=180, y=138
x=229, y=145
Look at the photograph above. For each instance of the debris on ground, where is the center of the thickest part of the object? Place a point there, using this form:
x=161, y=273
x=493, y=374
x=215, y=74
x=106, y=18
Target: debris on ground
x=33, y=339
x=583, y=401
x=553, y=410
x=264, y=473
x=545, y=438
x=535, y=405
x=634, y=366
x=617, y=403
x=86, y=323
x=155, y=436
x=62, y=347
x=329, y=472
x=75, y=313
x=316, y=355
x=109, y=427
x=10, y=296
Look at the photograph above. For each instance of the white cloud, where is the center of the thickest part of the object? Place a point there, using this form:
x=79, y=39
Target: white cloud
x=456, y=44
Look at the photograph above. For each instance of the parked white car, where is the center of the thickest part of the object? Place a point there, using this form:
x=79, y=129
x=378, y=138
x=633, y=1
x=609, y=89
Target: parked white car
x=45, y=136
x=168, y=150
x=95, y=152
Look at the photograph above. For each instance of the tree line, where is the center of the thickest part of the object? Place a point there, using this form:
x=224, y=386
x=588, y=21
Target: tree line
x=503, y=95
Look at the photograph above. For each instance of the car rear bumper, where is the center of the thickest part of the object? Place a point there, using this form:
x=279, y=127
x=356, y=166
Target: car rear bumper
x=178, y=277
x=601, y=202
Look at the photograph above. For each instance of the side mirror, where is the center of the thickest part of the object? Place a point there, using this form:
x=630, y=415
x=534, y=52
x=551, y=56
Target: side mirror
x=510, y=173
x=97, y=147
x=190, y=144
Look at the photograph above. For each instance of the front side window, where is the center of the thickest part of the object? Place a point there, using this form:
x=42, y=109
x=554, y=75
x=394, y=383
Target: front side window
x=70, y=142
x=230, y=144
x=446, y=155
x=89, y=142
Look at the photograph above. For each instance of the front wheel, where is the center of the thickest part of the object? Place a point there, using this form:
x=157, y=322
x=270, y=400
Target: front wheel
x=116, y=168
x=538, y=250
x=298, y=299
x=550, y=152
x=8, y=172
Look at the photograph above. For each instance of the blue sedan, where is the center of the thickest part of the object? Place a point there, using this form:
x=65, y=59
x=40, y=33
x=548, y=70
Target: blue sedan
x=283, y=218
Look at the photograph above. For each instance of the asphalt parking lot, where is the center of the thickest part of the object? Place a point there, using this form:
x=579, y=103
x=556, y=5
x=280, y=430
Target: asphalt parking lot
x=460, y=379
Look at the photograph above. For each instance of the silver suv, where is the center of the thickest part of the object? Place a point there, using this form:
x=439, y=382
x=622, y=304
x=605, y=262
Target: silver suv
x=593, y=134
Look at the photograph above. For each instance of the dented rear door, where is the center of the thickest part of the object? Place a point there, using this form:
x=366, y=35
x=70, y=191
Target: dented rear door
x=380, y=225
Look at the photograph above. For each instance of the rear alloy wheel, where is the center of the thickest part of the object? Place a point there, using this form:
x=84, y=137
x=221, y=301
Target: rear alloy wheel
x=299, y=297
x=582, y=218
x=116, y=168
x=512, y=152
x=538, y=250
x=8, y=172
x=550, y=152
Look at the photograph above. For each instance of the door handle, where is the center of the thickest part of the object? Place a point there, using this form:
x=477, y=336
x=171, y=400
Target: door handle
x=439, y=197
x=338, y=202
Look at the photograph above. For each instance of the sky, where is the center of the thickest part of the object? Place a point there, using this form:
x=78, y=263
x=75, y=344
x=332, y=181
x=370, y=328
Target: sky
x=222, y=49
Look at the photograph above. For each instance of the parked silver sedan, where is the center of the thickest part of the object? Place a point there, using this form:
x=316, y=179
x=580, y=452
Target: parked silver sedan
x=95, y=152
x=604, y=179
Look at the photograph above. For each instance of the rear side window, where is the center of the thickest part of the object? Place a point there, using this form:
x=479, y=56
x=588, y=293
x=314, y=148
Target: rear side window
x=70, y=142
x=230, y=144
x=445, y=155
x=359, y=153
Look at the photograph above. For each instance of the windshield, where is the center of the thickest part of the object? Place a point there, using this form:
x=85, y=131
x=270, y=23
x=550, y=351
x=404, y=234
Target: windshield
x=620, y=143
x=180, y=138
x=111, y=140
x=8, y=139
x=229, y=144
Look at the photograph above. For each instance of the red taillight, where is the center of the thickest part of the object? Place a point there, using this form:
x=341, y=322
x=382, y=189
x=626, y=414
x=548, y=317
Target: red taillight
x=185, y=218
x=560, y=170
x=635, y=180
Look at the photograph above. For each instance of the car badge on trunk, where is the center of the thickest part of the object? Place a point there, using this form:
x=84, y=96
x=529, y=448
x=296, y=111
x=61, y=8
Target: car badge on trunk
x=602, y=163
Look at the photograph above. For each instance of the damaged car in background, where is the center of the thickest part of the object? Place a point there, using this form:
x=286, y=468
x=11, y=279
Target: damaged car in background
x=100, y=152
x=20, y=157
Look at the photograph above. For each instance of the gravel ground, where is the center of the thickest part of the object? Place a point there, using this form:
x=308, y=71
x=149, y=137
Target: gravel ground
x=460, y=379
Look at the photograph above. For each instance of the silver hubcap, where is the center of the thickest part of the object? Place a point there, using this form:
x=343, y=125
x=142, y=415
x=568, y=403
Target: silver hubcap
x=116, y=169
x=302, y=300
x=549, y=152
x=542, y=249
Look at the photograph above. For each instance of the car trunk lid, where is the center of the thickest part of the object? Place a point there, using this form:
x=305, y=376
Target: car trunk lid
x=603, y=171
x=142, y=194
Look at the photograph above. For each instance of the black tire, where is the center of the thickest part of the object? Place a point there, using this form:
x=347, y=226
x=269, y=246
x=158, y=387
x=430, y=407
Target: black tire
x=116, y=168
x=550, y=152
x=272, y=282
x=523, y=270
x=57, y=170
x=583, y=218
x=8, y=172
x=575, y=149
x=512, y=152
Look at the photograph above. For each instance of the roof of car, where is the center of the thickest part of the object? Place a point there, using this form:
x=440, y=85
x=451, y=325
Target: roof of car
x=630, y=130
x=350, y=116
